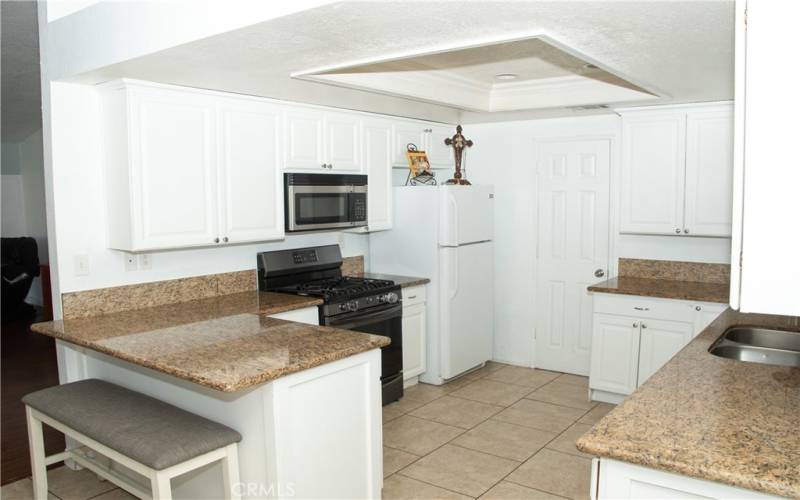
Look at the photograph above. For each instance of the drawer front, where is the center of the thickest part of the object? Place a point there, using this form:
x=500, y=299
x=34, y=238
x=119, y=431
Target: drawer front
x=413, y=295
x=644, y=307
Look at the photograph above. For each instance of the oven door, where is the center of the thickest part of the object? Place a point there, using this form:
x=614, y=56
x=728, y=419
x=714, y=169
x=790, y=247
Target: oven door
x=386, y=321
x=325, y=207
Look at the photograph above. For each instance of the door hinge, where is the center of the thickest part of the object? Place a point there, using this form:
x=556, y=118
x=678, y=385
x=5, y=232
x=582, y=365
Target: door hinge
x=741, y=258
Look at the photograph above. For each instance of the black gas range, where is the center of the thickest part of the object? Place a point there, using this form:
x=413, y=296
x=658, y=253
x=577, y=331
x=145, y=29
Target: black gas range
x=349, y=302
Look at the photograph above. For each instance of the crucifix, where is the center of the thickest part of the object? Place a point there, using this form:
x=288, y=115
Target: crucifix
x=459, y=142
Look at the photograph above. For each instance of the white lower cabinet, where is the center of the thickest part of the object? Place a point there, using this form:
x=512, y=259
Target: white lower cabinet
x=622, y=480
x=414, y=318
x=633, y=337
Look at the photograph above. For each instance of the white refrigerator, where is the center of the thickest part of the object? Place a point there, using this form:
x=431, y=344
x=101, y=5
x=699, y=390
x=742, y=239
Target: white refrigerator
x=445, y=233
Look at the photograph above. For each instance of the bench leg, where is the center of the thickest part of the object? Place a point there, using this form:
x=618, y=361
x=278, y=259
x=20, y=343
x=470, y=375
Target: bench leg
x=36, y=444
x=230, y=472
x=162, y=489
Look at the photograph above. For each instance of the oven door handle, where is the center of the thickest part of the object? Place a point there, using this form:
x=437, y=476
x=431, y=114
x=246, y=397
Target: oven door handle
x=353, y=320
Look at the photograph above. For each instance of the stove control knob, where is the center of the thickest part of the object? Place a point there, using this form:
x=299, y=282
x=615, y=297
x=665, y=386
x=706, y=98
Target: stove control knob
x=342, y=307
x=391, y=298
x=352, y=306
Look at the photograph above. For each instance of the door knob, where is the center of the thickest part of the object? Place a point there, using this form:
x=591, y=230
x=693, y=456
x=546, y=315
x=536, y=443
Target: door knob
x=599, y=273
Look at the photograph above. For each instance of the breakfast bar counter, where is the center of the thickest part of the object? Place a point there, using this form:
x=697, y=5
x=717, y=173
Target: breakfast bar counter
x=711, y=418
x=305, y=398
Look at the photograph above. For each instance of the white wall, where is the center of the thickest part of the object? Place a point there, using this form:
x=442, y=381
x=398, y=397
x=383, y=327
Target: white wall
x=79, y=214
x=503, y=155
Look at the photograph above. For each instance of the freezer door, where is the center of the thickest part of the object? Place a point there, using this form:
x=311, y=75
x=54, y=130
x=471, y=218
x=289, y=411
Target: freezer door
x=467, y=306
x=466, y=214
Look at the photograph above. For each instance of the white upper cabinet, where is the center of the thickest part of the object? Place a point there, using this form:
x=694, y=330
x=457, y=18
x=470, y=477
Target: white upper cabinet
x=676, y=171
x=304, y=139
x=187, y=168
x=322, y=141
x=709, y=169
x=406, y=133
x=343, y=142
x=653, y=173
x=251, y=205
x=378, y=166
x=439, y=154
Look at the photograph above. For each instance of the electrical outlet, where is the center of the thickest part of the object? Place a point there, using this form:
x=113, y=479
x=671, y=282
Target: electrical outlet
x=145, y=261
x=131, y=262
x=81, y=265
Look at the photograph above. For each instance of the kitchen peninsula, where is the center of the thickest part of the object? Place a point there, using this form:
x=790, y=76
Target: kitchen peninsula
x=306, y=398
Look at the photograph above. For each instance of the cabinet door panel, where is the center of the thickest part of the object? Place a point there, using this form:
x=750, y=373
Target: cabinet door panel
x=304, y=139
x=653, y=174
x=615, y=351
x=709, y=173
x=413, y=340
x=174, y=195
x=439, y=154
x=250, y=179
x=378, y=164
x=406, y=133
x=343, y=142
x=704, y=314
x=660, y=340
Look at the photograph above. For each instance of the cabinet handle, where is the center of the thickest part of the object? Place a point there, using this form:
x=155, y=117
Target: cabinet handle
x=644, y=326
x=216, y=240
x=677, y=231
x=413, y=297
x=685, y=231
x=697, y=308
x=642, y=308
x=636, y=324
x=225, y=239
x=429, y=130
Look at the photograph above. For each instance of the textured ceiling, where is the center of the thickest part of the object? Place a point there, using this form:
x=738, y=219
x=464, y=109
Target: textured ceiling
x=684, y=50
x=20, y=90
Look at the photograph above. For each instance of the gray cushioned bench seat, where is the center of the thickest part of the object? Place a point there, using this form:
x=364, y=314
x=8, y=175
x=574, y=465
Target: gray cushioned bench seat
x=142, y=428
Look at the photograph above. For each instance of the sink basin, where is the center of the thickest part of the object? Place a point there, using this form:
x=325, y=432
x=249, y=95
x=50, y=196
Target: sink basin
x=759, y=345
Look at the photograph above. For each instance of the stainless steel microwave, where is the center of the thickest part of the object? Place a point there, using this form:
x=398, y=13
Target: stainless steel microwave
x=324, y=201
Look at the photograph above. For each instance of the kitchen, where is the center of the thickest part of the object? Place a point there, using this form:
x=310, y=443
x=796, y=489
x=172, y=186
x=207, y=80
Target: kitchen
x=239, y=241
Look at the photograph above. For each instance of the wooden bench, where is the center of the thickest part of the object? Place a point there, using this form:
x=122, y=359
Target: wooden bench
x=150, y=437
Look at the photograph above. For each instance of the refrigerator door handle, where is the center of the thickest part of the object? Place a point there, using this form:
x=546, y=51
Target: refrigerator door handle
x=454, y=274
x=453, y=229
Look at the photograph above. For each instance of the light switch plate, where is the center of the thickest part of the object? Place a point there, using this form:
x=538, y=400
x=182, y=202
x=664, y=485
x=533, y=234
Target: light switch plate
x=82, y=265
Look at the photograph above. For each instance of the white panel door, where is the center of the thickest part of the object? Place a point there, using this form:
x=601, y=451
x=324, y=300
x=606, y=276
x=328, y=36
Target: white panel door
x=467, y=308
x=660, y=340
x=572, y=246
x=653, y=173
x=343, y=142
x=615, y=353
x=709, y=173
x=406, y=133
x=378, y=166
x=251, y=191
x=439, y=154
x=304, y=139
x=174, y=176
x=413, y=340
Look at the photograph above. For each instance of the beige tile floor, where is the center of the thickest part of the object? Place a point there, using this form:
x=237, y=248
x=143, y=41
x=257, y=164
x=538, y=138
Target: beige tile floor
x=501, y=432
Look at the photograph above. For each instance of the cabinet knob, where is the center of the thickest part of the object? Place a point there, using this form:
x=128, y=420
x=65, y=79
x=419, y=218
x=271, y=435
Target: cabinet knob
x=697, y=308
x=225, y=239
x=216, y=240
x=644, y=326
x=685, y=231
x=677, y=231
x=330, y=165
x=636, y=324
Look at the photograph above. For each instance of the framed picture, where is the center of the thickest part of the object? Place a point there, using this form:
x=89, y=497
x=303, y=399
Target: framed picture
x=418, y=163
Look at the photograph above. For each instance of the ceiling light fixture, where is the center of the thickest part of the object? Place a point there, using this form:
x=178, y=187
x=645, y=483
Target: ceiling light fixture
x=506, y=76
x=589, y=66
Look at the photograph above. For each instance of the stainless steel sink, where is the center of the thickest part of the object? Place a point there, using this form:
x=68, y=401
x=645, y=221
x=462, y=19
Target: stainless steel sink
x=759, y=345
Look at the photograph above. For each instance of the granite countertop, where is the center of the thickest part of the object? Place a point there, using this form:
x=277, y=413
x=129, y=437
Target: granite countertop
x=712, y=418
x=403, y=281
x=227, y=343
x=663, y=288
